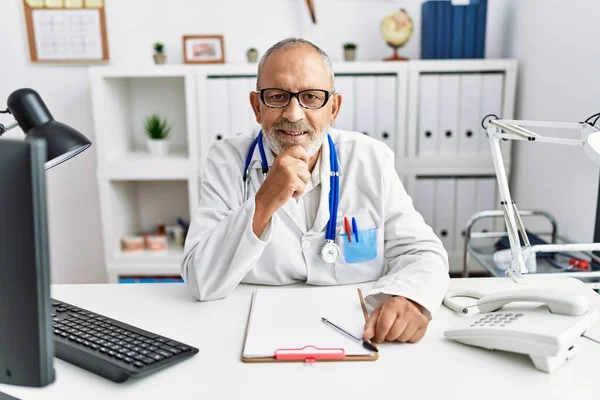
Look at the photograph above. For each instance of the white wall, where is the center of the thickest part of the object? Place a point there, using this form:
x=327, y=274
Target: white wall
x=133, y=25
x=75, y=236
x=559, y=62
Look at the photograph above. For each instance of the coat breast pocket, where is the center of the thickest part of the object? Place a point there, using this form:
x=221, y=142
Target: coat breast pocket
x=360, y=247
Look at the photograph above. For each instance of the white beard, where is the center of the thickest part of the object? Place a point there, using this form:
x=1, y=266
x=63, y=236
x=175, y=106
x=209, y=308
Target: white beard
x=313, y=147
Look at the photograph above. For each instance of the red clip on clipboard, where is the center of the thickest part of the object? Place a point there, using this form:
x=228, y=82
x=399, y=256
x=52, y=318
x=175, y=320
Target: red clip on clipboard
x=310, y=354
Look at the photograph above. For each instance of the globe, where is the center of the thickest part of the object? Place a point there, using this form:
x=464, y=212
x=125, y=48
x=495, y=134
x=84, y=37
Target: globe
x=396, y=30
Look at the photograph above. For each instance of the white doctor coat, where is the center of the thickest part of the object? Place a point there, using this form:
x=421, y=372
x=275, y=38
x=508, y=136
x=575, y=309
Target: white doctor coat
x=221, y=250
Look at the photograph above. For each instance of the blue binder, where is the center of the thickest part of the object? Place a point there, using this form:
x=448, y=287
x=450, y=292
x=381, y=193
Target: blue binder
x=443, y=28
x=470, y=31
x=458, y=31
x=480, y=28
x=447, y=38
x=428, y=30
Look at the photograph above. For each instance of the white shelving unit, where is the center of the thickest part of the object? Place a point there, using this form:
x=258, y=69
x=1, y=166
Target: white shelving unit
x=205, y=103
x=136, y=189
x=460, y=162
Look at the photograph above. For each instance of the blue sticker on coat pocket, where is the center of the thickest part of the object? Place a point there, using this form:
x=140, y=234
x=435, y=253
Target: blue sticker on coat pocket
x=363, y=250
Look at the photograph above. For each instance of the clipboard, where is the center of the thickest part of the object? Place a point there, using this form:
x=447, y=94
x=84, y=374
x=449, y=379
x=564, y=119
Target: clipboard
x=306, y=351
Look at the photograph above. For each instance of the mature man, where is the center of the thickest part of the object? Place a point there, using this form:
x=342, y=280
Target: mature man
x=291, y=225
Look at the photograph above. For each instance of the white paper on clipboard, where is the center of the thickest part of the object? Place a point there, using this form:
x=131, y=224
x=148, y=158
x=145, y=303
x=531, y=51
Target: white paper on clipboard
x=290, y=318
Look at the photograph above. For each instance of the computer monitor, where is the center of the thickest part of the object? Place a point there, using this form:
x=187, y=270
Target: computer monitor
x=26, y=343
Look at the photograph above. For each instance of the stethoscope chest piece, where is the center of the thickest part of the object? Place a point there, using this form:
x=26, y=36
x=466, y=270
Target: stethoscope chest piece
x=330, y=252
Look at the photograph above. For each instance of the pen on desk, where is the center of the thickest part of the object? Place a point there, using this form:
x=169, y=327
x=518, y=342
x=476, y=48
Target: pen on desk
x=355, y=228
x=366, y=344
x=347, y=229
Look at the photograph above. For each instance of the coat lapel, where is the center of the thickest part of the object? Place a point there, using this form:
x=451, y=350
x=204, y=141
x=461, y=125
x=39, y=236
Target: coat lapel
x=295, y=212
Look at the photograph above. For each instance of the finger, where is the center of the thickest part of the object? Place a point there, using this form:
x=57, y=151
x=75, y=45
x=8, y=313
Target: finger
x=397, y=329
x=408, y=332
x=370, y=325
x=300, y=164
x=418, y=335
x=302, y=170
x=299, y=188
x=304, y=175
x=298, y=152
x=386, y=319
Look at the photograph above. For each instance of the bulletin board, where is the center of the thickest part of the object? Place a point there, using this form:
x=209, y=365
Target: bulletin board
x=66, y=31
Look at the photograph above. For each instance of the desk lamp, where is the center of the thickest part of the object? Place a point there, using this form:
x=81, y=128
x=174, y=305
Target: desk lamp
x=550, y=337
x=32, y=115
x=503, y=129
x=26, y=342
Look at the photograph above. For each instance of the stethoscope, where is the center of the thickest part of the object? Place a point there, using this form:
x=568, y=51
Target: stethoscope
x=330, y=252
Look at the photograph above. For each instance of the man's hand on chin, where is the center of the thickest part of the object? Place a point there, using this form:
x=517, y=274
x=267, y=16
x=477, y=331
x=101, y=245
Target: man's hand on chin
x=397, y=319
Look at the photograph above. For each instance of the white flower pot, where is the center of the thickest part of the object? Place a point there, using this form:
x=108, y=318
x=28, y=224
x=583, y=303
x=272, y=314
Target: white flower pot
x=160, y=58
x=158, y=147
x=349, y=54
x=252, y=56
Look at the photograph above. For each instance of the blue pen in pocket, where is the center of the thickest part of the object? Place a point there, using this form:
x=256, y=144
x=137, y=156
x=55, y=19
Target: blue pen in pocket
x=363, y=248
x=355, y=228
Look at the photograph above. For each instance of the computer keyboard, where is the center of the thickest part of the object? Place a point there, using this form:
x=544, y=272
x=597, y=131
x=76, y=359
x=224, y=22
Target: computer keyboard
x=111, y=348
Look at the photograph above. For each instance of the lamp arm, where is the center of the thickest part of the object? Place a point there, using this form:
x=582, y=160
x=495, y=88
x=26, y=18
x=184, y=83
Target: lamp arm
x=513, y=130
x=499, y=129
x=4, y=128
x=511, y=215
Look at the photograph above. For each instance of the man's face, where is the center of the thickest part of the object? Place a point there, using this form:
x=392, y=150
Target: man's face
x=295, y=70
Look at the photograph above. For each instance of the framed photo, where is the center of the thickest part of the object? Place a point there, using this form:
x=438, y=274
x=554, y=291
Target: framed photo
x=203, y=49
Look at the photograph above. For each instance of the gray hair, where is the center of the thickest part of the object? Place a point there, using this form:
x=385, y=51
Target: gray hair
x=292, y=43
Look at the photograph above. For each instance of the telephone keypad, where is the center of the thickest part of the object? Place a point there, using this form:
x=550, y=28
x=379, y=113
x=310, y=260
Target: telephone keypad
x=493, y=319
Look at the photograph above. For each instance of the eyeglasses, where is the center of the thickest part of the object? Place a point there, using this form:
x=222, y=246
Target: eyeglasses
x=311, y=99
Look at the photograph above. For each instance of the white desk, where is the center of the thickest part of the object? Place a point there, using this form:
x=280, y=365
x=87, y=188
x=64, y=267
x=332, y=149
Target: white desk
x=433, y=368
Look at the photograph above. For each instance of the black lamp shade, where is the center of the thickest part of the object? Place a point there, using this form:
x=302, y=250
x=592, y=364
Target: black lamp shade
x=62, y=141
x=34, y=118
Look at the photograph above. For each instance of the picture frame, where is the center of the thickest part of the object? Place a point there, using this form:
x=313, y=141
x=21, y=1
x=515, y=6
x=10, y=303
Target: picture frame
x=203, y=49
x=66, y=32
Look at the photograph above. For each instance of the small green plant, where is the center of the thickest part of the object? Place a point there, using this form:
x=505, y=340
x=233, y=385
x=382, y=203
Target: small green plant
x=159, y=48
x=157, y=128
x=349, y=46
x=252, y=49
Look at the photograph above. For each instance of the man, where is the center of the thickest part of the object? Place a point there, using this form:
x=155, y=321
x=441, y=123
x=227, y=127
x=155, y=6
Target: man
x=273, y=233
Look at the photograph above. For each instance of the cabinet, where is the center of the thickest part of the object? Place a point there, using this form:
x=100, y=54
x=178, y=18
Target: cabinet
x=429, y=112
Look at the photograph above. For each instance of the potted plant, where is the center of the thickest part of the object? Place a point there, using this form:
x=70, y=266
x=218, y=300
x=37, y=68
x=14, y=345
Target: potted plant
x=349, y=51
x=252, y=55
x=158, y=132
x=159, y=53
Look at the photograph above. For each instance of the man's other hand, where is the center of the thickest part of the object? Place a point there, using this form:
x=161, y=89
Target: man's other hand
x=398, y=319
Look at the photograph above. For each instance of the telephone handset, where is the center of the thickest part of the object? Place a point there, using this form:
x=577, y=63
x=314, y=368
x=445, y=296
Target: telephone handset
x=549, y=334
x=566, y=303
